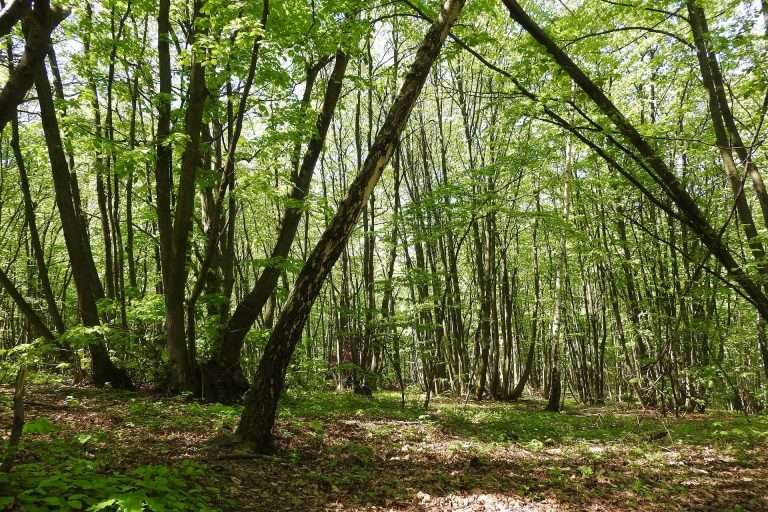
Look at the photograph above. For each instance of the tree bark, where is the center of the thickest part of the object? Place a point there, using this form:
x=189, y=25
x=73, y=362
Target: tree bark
x=174, y=228
x=29, y=211
x=529, y=360
x=11, y=15
x=258, y=417
x=650, y=160
x=180, y=363
x=87, y=282
x=38, y=25
x=26, y=309
x=17, y=428
x=223, y=378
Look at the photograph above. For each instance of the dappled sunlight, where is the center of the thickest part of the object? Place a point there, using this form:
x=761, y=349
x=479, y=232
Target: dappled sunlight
x=349, y=453
x=408, y=255
x=482, y=502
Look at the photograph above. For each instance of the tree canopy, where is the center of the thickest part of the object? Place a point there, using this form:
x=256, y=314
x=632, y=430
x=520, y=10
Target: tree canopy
x=485, y=200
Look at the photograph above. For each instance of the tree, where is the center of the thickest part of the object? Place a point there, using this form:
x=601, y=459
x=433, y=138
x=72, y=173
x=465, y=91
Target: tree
x=226, y=382
x=648, y=157
x=87, y=282
x=260, y=411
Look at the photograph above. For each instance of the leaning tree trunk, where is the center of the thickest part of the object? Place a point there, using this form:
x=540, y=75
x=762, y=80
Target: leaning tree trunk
x=258, y=417
x=729, y=139
x=37, y=323
x=29, y=211
x=37, y=25
x=650, y=160
x=84, y=272
x=222, y=376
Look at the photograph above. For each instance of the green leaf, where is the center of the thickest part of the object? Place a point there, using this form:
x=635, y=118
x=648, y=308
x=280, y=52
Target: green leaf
x=39, y=426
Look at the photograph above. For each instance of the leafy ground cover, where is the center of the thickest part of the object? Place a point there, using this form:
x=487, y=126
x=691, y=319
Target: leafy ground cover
x=87, y=449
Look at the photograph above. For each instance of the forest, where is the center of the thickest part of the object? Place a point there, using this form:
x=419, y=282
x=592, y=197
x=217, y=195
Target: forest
x=465, y=255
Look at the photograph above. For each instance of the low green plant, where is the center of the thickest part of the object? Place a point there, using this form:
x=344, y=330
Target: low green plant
x=80, y=484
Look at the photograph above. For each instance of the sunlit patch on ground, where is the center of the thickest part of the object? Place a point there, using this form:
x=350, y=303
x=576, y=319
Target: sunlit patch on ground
x=341, y=452
x=482, y=503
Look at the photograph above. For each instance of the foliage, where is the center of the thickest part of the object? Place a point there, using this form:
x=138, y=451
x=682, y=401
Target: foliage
x=73, y=473
x=367, y=453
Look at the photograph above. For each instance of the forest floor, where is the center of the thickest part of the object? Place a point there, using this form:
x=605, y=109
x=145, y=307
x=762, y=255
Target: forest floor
x=88, y=449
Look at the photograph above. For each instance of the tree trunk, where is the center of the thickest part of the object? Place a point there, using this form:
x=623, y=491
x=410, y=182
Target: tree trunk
x=650, y=160
x=180, y=362
x=174, y=229
x=26, y=309
x=37, y=248
x=223, y=378
x=529, y=360
x=17, y=428
x=37, y=25
x=89, y=288
x=258, y=417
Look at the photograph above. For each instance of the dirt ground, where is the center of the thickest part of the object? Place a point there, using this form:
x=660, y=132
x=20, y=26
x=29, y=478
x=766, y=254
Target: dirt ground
x=340, y=452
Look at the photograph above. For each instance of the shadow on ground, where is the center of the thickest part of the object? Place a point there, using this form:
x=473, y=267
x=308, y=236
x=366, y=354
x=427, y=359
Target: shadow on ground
x=342, y=452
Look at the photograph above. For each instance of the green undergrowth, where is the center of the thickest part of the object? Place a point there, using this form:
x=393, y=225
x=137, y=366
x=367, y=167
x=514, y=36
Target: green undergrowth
x=62, y=475
x=509, y=422
x=330, y=405
x=526, y=421
x=101, y=450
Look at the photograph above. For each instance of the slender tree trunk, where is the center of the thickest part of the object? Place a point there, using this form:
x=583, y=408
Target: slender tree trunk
x=529, y=360
x=388, y=301
x=29, y=210
x=17, y=428
x=225, y=379
x=89, y=288
x=129, y=247
x=64, y=353
x=561, y=284
x=26, y=309
x=260, y=411
x=729, y=139
x=650, y=160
